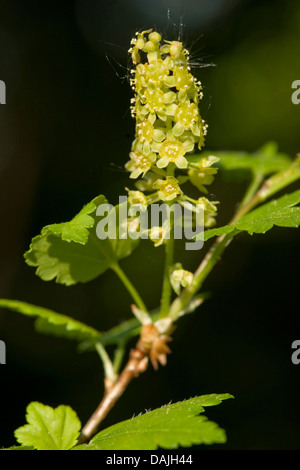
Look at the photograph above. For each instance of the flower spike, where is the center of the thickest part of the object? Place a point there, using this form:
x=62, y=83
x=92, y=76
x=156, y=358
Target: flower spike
x=165, y=104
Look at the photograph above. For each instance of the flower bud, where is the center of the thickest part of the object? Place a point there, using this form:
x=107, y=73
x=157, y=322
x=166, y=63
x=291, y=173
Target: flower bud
x=176, y=49
x=154, y=37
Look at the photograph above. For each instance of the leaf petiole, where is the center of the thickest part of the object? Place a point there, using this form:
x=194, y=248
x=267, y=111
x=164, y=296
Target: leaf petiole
x=129, y=286
x=109, y=371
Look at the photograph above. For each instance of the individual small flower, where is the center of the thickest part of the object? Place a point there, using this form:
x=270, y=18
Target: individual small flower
x=138, y=44
x=176, y=49
x=137, y=198
x=146, y=133
x=168, y=189
x=139, y=82
x=140, y=163
x=207, y=162
x=155, y=101
x=158, y=235
x=156, y=72
x=180, y=278
x=172, y=151
x=209, y=211
x=206, y=205
x=154, y=37
x=186, y=117
x=200, y=179
x=203, y=173
x=184, y=80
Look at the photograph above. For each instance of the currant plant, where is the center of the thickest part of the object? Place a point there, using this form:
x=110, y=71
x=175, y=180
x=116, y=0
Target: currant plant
x=166, y=166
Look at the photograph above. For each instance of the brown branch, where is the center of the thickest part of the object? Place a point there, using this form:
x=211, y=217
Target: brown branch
x=151, y=343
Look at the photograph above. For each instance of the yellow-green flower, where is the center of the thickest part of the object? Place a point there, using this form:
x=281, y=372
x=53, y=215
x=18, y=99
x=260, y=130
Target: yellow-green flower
x=155, y=73
x=159, y=103
x=137, y=198
x=209, y=209
x=154, y=100
x=206, y=205
x=168, y=189
x=138, y=44
x=147, y=134
x=184, y=80
x=158, y=235
x=187, y=117
x=172, y=151
x=140, y=163
x=180, y=278
x=203, y=172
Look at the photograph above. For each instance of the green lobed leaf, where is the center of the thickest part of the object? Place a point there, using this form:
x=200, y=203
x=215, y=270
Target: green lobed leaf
x=64, y=252
x=54, y=323
x=169, y=427
x=280, y=212
x=49, y=428
x=76, y=230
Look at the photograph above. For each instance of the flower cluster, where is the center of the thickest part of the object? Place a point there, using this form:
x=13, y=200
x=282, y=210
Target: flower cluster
x=168, y=125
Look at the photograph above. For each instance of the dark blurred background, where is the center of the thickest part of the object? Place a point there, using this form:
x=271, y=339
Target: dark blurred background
x=65, y=135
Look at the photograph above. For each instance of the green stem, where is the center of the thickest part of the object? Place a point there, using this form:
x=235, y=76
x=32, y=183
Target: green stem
x=129, y=286
x=151, y=198
x=250, y=199
x=190, y=199
x=159, y=171
x=280, y=180
x=257, y=179
x=171, y=169
x=107, y=364
x=118, y=357
x=167, y=287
